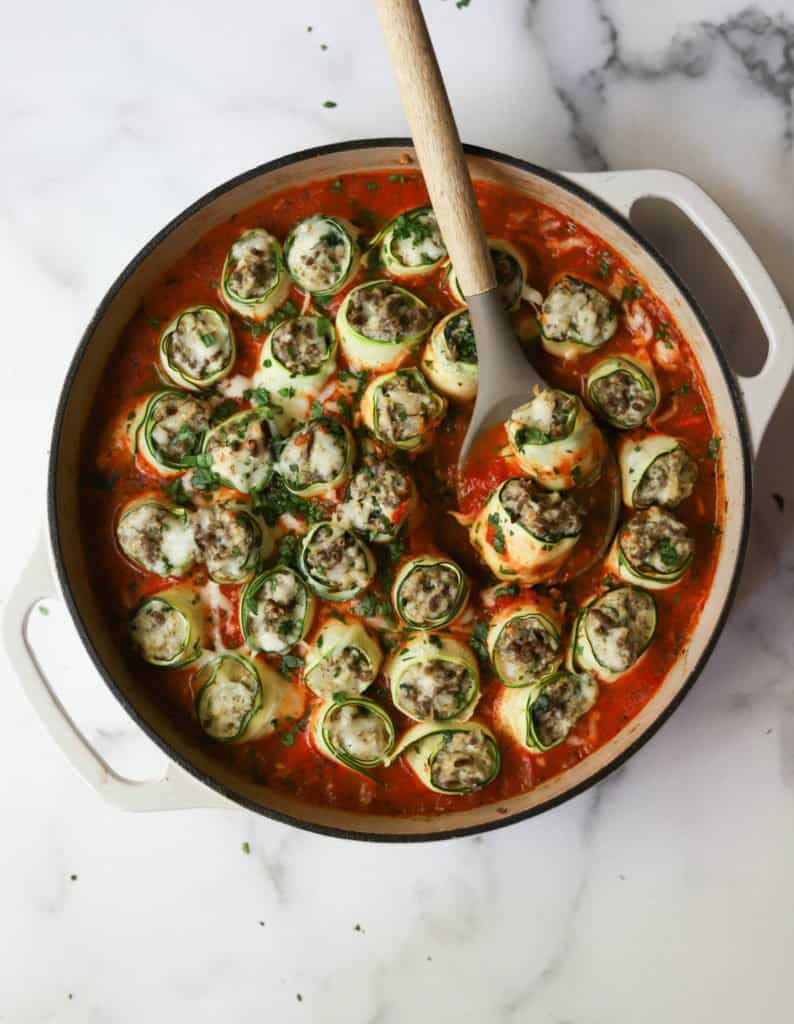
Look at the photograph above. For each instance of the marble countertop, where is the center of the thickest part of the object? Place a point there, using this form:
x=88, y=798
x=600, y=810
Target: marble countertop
x=666, y=893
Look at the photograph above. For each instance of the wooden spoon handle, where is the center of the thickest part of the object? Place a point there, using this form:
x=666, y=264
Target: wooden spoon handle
x=437, y=142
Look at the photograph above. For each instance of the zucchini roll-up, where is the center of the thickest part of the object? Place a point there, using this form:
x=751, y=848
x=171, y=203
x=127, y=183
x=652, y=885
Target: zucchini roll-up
x=231, y=541
x=167, y=628
x=653, y=549
x=556, y=441
x=411, y=245
x=379, y=499
x=511, y=275
x=342, y=660
x=254, y=281
x=379, y=324
x=459, y=758
x=171, y=430
x=525, y=533
x=156, y=537
x=449, y=360
x=317, y=458
x=355, y=732
x=276, y=610
x=613, y=631
x=197, y=348
x=656, y=470
x=401, y=409
x=337, y=565
x=623, y=391
x=541, y=717
x=524, y=641
x=239, y=450
x=576, y=318
x=299, y=356
x=322, y=254
x=429, y=592
x=236, y=698
x=434, y=678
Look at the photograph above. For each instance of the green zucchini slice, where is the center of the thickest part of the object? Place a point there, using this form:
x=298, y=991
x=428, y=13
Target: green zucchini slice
x=653, y=549
x=430, y=592
x=612, y=632
x=411, y=244
x=434, y=678
x=511, y=276
x=237, y=698
x=354, y=732
x=540, y=717
x=525, y=533
x=239, y=450
x=156, y=537
x=170, y=432
x=402, y=410
x=576, y=318
x=524, y=641
x=337, y=565
x=623, y=391
x=167, y=628
x=317, y=458
x=322, y=254
x=276, y=610
x=343, y=660
x=379, y=500
x=379, y=324
x=656, y=470
x=449, y=360
x=455, y=759
x=197, y=348
x=231, y=540
x=556, y=441
x=298, y=357
x=254, y=282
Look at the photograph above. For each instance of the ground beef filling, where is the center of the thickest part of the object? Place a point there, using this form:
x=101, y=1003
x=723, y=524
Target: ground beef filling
x=526, y=648
x=435, y=690
x=314, y=455
x=623, y=398
x=254, y=267
x=550, y=416
x=318, y=255
x=335, y=557
x=178, y=424
x=548, y=515
x=357, y=731
x=376, y=495
x=384, y=313
x=576, y=311
x=466, y=761
x=508, y=276
x=620, y=626
x=200, y=345
x=668, y=480
x=228, y=700
x=278, y=611
x=405, y=408
x=560, y=706
x=430, y=594
x=153, y=537
x=240, y=452
x=159, y=631
x=656, y=542
x=459, y=336
x=347, y=671
x=225, y=540
x=299, y=346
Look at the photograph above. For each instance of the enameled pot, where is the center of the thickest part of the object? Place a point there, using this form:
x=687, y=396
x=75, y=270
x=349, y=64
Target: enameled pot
x=601, y=203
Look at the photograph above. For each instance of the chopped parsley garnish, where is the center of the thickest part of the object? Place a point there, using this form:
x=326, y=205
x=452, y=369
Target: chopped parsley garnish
x=668, y=553
x=245, y=847
x=204, y=479
x=397, y=179
x=329, y=104
x=714, y=447
x=367, y=606
x=477, y=640
x=207, y=340
x=603, y=268
x=498, y=541
x=632, y=291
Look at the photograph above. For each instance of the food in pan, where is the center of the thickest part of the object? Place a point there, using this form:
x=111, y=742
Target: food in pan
x=279, y=532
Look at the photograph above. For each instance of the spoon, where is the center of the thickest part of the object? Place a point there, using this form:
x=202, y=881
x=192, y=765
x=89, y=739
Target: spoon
x=506, y=378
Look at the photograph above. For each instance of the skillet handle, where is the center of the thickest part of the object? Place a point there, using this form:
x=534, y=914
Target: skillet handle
x=761, y=393
x=174, y=790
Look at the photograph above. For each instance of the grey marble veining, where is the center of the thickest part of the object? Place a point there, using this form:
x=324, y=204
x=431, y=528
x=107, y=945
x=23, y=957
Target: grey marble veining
x=664, y=894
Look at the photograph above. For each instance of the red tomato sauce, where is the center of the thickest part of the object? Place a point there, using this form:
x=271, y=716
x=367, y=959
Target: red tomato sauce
x=552, y=245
